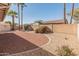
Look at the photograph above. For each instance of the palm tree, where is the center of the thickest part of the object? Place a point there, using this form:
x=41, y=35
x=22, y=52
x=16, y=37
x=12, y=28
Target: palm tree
x=72, y=13
x=13, y=15
x=18, y=5
x=22, y=7
x=65, y=20
x=20, y=14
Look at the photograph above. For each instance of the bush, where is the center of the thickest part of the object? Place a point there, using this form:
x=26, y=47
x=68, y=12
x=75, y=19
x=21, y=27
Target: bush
x=43, y=29
x=28, y=28
x=65, y=51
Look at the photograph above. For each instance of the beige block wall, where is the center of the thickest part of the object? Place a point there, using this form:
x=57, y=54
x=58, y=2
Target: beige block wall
x=65, y=28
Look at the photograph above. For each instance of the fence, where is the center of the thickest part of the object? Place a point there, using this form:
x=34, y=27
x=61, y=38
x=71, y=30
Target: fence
x=62, y=28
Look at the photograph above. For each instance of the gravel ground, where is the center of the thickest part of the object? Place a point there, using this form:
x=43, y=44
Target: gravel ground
x=18, y=41
x=58, y=40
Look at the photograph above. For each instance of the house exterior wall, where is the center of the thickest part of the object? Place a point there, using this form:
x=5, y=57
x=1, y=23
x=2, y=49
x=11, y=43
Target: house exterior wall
x=35, y=26
x=4, y=27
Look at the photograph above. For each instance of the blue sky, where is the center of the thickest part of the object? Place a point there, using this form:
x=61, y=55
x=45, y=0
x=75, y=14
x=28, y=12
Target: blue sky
x=42, y=11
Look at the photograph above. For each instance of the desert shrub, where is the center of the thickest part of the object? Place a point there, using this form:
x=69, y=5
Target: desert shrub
x=28, y=28
x=65, y=51
x=43, y=29
x=9, y=22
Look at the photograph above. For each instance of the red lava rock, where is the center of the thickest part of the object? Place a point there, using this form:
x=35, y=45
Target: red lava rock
x=18, y=41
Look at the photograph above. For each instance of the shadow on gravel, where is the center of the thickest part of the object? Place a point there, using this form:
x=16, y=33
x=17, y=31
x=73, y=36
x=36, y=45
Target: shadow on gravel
x=11, y=43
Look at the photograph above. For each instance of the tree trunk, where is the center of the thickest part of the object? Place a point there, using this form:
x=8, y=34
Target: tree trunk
x=19, y=15
x=22, y=17
x=13, y=23
x=72, y=13
x=65, y=20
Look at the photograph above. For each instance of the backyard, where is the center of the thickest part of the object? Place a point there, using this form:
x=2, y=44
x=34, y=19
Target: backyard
x=18, y=37
x=30, y=43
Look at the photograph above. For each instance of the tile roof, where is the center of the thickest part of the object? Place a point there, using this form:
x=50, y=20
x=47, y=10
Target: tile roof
x=60, y=21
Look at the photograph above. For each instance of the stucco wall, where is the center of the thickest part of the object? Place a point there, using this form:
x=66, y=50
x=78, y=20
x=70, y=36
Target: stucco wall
x=65, y=28
x=4, y=27
x=61, y=28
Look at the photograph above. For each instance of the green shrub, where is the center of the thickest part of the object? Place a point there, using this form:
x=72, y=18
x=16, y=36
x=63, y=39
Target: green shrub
x=43, y=29
x=65, y=51
x=28, y=28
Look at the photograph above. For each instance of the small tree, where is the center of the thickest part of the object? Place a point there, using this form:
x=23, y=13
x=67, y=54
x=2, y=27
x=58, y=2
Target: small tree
x=28, y=27
x=75, y=15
